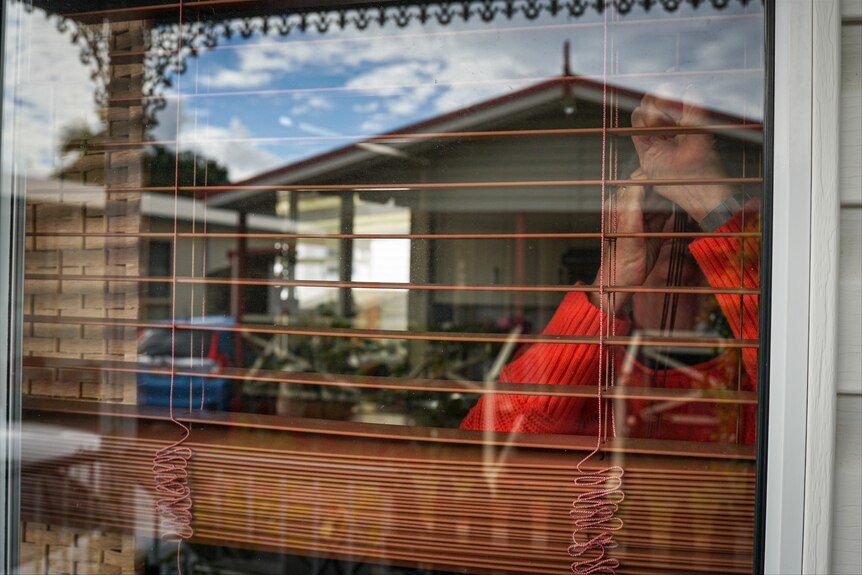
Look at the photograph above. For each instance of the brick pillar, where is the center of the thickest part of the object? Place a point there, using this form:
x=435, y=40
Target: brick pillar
x=54, y=550
x=90, y=199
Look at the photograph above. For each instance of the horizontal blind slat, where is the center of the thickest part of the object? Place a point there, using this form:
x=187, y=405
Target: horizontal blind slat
x=404, y=384
x=532, y=84
x=389, y=187
x=396, y=432
x=96, y=144
x=395, y=285
x=386, y=236
x=634, y=340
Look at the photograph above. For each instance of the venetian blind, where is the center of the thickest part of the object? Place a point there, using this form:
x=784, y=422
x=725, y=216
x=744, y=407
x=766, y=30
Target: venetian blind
x=376, y=260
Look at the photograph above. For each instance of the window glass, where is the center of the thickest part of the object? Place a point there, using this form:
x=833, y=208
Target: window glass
x=404, y=288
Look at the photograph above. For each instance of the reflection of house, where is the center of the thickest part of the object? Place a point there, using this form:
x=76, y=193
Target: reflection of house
x=505, y=166
x=805, y=170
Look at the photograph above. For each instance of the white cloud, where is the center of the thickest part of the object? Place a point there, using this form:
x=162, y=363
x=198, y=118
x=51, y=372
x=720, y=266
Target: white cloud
x=375, y=124
x=385, y=79
x=317, y=130
x=224, y=78
x=308, y=127
x=231, y=145
x=228, y=146
x=394, y=102
x=310, y=104
x=366, y=108
x=52, y=91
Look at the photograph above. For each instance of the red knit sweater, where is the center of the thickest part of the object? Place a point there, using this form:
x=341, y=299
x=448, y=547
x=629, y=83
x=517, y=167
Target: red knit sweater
x=726, y=263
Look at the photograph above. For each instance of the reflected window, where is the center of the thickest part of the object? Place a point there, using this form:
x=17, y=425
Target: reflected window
x=388, y=289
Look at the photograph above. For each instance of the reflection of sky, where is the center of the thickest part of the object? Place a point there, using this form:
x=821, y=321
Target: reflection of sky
x=264, y=102
x=46, y=89
x=361, y=83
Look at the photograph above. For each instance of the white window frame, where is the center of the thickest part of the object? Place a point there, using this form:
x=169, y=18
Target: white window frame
x=800, y=451
x=11, y=283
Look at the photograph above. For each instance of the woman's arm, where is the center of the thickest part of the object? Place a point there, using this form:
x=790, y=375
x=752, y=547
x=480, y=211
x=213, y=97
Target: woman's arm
x=554, y=364
x=571, y=364
x=733, y=262
x=726, y=262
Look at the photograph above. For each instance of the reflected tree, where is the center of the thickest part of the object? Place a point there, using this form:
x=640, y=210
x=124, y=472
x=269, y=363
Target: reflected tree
x=165, y=167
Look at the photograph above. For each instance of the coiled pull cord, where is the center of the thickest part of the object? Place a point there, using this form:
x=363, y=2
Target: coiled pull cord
x=594, y=511
x=174, y=506
x=171, y=463
x=595, y=517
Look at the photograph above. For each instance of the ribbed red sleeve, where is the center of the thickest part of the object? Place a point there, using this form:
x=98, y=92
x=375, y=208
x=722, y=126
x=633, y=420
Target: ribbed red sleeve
x=555, y=364
x=734, y=263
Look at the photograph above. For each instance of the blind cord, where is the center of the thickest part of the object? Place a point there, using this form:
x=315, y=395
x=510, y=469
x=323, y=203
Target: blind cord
x=170, y=464
x=595, y=509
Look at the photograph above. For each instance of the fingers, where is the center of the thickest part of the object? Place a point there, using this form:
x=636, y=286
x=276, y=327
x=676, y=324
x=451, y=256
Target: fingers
x=659, y=111
x=626, y=253
x=626, y=205
x=631, y=196
x=667, y=100
x=641, y=144
x=650, y=115
x=654, y=209
x=694, y=113
x=662, y=109
x=667, y=108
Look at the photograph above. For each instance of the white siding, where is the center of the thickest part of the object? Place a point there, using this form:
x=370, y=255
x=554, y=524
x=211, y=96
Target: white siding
x=847, y=520
x=846, y=554
x=851, y=9
x=850, y=303
x=850, y=166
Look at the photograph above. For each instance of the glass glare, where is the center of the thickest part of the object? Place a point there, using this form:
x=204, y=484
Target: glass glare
x=394, y=289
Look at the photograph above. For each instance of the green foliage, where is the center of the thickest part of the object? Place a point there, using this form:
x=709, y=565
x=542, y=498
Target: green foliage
x=164, y=166
x=187, y=169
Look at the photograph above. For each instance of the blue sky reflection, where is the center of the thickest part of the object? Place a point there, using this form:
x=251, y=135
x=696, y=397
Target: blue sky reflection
x=280, y=100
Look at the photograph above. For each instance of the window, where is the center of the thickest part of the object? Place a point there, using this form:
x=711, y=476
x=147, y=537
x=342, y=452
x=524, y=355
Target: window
x=403, y=288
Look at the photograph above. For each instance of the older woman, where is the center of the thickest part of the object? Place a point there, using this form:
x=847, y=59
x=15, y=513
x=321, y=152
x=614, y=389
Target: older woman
x=720, y=262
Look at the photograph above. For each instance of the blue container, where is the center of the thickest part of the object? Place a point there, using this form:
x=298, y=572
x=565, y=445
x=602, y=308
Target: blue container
x=154, y=389
x=202, y=351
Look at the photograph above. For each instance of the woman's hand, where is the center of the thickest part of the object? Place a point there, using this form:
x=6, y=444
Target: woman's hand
x=683, y=156
x=629, y=260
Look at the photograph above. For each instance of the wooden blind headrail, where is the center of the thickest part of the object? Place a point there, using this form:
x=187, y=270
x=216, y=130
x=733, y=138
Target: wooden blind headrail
x=713, y=396
x=394, y=432
x=701, y=290
x=634, y=340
